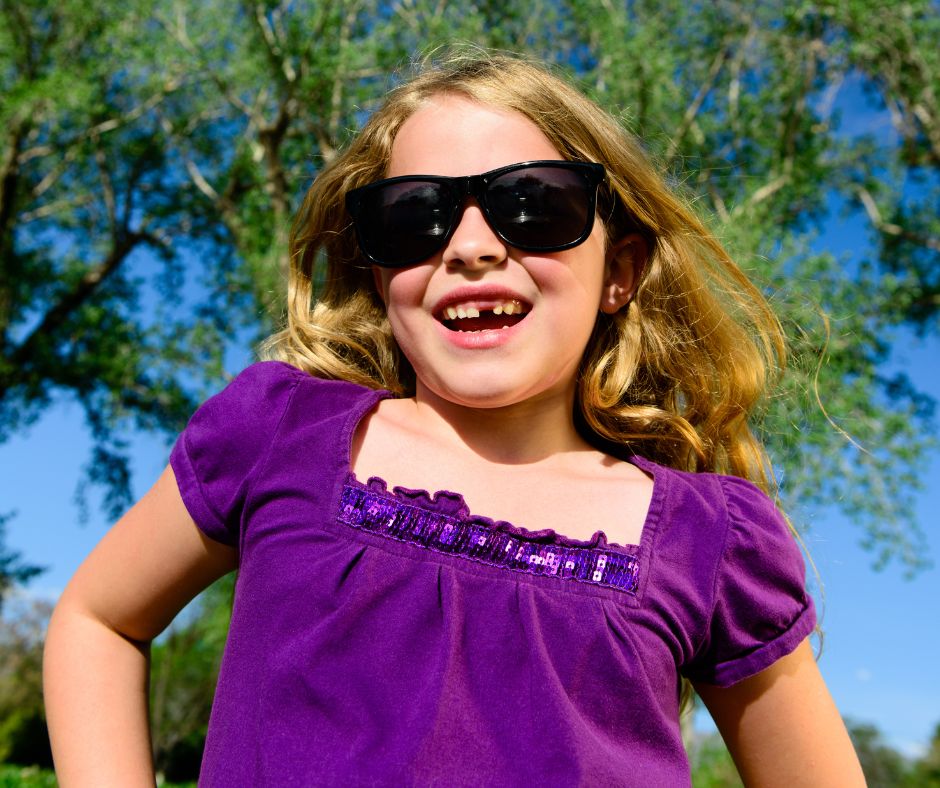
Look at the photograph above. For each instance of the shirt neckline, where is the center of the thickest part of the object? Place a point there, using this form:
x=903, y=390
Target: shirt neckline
x=642, y=550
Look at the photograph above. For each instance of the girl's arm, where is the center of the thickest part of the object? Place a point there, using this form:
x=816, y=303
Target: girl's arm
x=96, y=663
x=782, y=727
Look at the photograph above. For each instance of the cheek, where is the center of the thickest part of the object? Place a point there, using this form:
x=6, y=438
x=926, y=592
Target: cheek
x=580, y=275
x=403, y=292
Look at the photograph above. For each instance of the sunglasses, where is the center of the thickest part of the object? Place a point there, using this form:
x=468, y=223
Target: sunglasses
x=536, y=206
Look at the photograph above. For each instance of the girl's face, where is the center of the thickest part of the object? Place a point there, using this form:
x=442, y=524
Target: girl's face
x=448, y=313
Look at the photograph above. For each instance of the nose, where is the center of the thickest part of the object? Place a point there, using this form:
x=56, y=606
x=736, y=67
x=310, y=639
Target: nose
x=473, y=243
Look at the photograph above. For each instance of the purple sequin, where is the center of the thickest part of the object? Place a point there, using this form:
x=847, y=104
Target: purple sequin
x=390, y=517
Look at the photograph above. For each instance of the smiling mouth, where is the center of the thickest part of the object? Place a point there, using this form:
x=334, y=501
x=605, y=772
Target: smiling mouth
x=483, y=317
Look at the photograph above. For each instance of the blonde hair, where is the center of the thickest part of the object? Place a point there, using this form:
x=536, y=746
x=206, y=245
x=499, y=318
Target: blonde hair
x=675, y=376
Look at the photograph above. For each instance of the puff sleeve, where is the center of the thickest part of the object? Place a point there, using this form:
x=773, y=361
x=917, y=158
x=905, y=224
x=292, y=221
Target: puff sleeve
x=227, y=442
x=760, y=608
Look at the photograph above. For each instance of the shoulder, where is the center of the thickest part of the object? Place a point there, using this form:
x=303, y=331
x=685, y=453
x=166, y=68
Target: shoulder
x=270, y=411
x=262, y=376
x=266, y=389
x=742, y=572
x=266, y=400
x=710, y=499
x=726, y=531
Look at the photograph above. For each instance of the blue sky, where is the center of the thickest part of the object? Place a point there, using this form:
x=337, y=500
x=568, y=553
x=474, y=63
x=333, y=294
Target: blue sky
x=882, y=631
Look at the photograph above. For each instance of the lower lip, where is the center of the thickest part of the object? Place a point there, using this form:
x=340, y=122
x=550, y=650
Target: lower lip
x=481, y=340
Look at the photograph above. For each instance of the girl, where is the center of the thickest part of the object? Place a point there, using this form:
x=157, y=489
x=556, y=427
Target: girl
x=515, y=308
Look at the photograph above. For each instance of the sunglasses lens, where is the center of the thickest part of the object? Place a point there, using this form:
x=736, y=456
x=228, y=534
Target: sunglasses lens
x=536, y=207
x=404, y=223
x=541, y=207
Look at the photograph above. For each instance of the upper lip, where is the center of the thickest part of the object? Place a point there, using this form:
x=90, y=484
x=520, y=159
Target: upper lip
x=485, y=296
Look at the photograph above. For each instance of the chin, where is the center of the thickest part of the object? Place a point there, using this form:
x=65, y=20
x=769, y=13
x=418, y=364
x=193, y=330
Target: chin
x=485, y=395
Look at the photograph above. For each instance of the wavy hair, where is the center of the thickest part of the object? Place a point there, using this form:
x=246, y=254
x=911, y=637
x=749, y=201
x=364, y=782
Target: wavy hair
x=675, y=376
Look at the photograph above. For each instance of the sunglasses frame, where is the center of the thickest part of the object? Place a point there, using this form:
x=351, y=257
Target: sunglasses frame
x=476, y=186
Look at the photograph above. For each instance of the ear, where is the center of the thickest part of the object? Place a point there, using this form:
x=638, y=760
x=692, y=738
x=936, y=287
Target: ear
x=625, y=262
x=379, y=283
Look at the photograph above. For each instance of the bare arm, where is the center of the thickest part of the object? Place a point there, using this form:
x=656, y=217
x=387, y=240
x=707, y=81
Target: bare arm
x=147, y=567
x=782, y=727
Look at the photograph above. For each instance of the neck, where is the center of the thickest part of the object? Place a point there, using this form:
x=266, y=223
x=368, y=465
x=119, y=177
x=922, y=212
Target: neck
x=520, y=434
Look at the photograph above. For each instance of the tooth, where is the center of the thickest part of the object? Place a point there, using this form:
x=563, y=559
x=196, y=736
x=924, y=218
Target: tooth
x=461, y=312
x=472, y=311
x=505, y=326
x=498, y=309
x=509, y=308
x=450, y=313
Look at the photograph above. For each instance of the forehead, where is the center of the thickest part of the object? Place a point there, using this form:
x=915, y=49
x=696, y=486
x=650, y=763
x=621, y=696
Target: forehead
x=453, y=135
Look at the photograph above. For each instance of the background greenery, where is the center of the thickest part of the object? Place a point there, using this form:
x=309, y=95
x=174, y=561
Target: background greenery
x=152, y=152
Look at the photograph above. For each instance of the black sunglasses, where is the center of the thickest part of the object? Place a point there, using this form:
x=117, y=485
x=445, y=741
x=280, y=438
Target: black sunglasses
x=536, y=206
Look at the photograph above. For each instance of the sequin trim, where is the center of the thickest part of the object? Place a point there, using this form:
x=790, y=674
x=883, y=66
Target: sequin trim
x=389, y=517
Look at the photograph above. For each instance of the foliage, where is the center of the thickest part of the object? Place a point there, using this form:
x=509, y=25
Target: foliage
x=185, y=664
x=752, y=126
x=23, y=737
x=13, y=570
x=895, y=47
x=711, y=764
x=85, y=190
x=34, y=777
x=926, y=770
x=26, y=777
x=153, y=153
x=884, y=767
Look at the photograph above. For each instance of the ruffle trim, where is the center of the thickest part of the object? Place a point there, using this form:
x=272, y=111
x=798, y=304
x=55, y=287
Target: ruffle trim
x=442, y=523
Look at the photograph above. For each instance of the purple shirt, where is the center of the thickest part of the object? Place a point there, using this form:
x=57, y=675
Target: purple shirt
x=393, y=638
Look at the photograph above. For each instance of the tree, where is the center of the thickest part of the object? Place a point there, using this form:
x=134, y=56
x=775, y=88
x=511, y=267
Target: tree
x=884, y=767
x=711, y=764
x=148, y=146
x=23, y=736
x=13, y=570
x=895, y=48
x=151, y=155
x=750, y=124
x=85, y=188
x=926, y=771
x=185, y=665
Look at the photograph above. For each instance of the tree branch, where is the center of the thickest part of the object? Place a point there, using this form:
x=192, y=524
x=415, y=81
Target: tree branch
x=720, y=207
x=9, y=182
x=889, y=228
x=107, y=188
x=58, y=314
x=274, y=49
x=693, y=109
x=199, y=179
x=178, y=31
x=105, y=126
x=52, y=208
x=51, y=178
x=336, y=95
